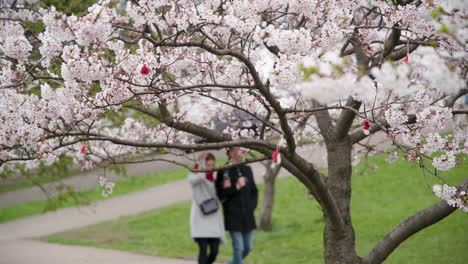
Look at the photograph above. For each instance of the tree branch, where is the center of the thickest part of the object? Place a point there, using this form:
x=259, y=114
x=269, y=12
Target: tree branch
x=449, y=102
x=315, y=182
x=460, y=112
x=361, y=57
x=391, y=42
x=246, y=161
x=401, y=52
x=186, y=126
x=409, y=227
x=346, y=118
x=232, y=165
x=321, y=108
x=359, y=135
x=200, y=146
x=324, y=122
x=288, y=133
x=253, y=115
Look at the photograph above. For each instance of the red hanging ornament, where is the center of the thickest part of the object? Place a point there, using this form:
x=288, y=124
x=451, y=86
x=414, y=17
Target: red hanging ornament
x=276, y=157
x=366, y=124
x=83, y=148
x=144, y=70
x=407, y=58
x=407, y=52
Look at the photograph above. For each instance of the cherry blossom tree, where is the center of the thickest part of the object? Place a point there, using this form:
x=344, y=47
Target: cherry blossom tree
x=114, y=84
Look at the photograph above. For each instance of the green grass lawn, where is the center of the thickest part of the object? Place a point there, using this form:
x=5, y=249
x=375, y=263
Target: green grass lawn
x=71, y=198
x=49, y=174
x=46, y=175
x=124, y=186
x=381, y=199
x=25, y=183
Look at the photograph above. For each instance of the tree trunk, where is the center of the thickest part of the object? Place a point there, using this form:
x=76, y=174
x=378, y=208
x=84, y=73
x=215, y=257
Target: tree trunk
x=339, y=247
x=266, y=210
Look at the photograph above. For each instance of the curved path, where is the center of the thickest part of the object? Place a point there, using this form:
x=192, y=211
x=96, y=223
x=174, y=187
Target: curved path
x=19, y=242
x=88, y=180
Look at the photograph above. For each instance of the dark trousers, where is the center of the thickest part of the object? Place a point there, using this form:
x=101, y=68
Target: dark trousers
x=203, y=244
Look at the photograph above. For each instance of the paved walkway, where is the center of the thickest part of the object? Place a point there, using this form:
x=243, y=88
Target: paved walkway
x=89, y=180
x=18, y=239
x=19, y=235
x=30, y=251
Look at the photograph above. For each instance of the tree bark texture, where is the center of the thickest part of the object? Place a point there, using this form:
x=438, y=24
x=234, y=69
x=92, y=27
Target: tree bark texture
x=266, y=210
x=339, y=247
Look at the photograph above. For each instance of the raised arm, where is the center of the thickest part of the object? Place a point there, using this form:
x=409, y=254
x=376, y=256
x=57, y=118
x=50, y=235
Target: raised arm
x=196, y=178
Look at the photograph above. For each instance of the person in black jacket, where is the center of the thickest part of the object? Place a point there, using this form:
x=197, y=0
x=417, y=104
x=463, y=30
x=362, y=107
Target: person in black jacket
x=238, y=193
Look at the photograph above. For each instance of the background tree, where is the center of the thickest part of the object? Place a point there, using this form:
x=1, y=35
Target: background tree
x=268, y=201
x=337, y=71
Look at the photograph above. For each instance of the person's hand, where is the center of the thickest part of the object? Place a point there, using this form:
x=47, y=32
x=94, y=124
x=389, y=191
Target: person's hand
x=202, y=156
x=200, y=162
x=241, y=182
x=227, y=183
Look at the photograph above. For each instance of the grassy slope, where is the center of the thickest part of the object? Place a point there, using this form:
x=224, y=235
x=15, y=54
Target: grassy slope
x=25, y=183
x=381, y=199
x=405, y=191
x=124, y=186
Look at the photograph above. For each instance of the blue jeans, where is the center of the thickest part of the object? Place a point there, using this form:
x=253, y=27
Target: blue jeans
x=242, y=244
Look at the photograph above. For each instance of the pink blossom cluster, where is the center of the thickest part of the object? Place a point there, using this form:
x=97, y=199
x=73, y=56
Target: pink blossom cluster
x=452, y=196
x=107, y=186
x=119, y=79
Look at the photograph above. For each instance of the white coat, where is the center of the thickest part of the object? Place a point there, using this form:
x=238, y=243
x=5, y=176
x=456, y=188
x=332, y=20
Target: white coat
x=205, y=226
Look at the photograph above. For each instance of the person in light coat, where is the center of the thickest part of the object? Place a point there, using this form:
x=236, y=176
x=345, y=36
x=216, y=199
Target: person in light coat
x=206, y=229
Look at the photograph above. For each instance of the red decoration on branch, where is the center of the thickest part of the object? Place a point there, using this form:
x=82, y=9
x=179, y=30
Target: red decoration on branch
x=144, y=70
x=83, y=148
x=366, y=124
x=407, y=58
x=276, y=156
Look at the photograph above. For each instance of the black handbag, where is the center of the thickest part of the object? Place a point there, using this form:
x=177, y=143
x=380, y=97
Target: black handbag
x=209, y=206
